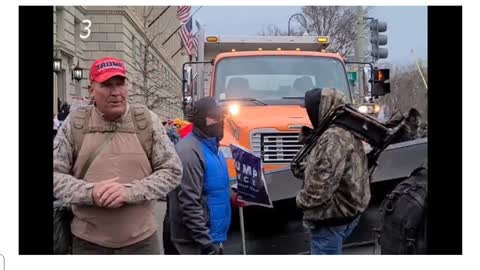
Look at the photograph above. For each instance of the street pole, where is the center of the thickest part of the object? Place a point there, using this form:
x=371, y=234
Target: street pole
x=370, y=87
x=359, y=50
x=296, y=14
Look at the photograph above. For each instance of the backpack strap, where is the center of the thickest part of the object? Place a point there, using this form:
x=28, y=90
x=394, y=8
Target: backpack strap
x=142, y=121
x=79, y=124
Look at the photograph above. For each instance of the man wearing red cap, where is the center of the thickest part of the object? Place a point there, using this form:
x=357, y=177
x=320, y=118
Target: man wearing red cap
x=112, y=162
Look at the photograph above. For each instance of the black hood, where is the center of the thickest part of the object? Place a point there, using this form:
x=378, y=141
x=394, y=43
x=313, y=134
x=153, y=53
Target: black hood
x=321, y=102
x=312, y=101
x=199, y=110
x=198, y=113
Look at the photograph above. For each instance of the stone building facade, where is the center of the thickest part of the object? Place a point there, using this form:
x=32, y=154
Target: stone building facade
x=130, y=33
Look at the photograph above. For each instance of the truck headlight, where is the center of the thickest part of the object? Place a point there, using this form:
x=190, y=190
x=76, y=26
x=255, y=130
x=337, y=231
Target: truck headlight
x=226, y=151
x=369, y=108
x=363, y=109
x=234, y=109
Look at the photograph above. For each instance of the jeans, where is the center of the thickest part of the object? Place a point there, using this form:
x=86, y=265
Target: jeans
x=328, y=240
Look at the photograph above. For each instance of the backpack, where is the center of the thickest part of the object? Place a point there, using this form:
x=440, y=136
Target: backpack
x=141, y=121
x=402, y=227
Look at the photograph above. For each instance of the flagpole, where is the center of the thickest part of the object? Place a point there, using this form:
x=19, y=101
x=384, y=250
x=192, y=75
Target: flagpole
x=420, y=70
x=242, y=230
x=196, y=11
x=169, y=37
x=181, y=47
x=158, y=16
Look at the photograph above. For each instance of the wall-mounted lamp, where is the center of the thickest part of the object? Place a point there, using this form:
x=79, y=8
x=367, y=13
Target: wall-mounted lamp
x=77, y=72
x=57, y=63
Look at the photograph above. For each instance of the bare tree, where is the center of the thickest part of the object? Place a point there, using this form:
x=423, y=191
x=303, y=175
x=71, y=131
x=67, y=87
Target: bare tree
x=273, y=30
x=407, y=90
x=150, y=86
x=340, y=23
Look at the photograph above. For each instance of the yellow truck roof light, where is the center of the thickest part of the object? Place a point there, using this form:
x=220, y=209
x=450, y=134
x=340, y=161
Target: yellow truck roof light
x=260, y=49
x=212, y=39
x=233, y=50
x=297, y=49
x=322, y=39
x=279, y=49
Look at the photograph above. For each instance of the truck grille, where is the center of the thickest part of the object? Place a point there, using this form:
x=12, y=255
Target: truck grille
x=275, y=147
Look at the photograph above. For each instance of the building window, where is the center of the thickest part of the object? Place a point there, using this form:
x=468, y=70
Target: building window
x=60, y=23
x=62, y=86
x=76, y=30
x=134, y=46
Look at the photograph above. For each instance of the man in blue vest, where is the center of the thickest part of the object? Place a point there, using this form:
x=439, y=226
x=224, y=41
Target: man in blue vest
x=200, y=210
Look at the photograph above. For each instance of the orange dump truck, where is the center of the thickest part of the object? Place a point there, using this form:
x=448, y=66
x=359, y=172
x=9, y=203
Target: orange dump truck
x=261, y=81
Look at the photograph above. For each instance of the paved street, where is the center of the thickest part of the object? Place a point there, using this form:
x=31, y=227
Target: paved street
x=280, y=231
x=277, y=231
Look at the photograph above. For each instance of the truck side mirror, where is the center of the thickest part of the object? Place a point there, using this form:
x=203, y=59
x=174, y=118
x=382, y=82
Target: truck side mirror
x=366, y=79
x=187, y=87
x=381, y=82
x=187, y=80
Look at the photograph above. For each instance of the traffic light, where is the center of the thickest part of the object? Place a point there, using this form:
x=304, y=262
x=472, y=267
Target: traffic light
x=378, y=40
x=381, y=82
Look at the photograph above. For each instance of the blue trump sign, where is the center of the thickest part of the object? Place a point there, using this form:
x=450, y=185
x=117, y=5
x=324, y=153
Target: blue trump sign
x=251, y=184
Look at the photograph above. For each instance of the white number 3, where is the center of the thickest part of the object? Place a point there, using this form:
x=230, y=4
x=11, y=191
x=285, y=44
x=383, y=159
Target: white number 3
x=87, y=28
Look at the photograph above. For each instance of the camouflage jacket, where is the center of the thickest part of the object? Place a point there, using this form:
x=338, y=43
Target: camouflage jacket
x=166, y=166
x=336, y=186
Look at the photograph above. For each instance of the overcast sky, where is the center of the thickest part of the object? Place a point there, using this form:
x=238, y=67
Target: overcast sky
x=407, y=25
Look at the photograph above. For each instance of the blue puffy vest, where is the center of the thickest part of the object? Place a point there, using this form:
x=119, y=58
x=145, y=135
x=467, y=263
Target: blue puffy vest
x=216, y=190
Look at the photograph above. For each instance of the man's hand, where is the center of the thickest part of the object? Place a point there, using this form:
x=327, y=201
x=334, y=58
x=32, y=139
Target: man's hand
x=211, y=249
x=98, y=187
x=235, y=202
x=113, y=195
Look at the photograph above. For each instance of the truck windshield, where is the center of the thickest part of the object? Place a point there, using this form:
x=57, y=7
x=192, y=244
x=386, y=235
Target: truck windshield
x=277, y=77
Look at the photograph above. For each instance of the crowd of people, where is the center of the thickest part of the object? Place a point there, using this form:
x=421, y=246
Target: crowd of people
x=115, y=161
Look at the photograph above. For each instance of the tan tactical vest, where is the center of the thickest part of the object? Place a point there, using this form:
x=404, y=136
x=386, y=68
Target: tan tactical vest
x=124, y=157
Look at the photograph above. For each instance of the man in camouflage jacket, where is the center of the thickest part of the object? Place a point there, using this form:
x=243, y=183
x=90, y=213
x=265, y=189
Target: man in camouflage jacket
x=336, y=188
x=113, y=182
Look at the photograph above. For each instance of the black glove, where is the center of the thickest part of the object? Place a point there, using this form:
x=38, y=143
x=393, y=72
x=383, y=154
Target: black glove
x=305, y=135
x=210, y=249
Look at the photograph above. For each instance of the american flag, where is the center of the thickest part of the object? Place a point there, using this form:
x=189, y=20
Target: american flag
x=183, y=15
x=195, y=44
